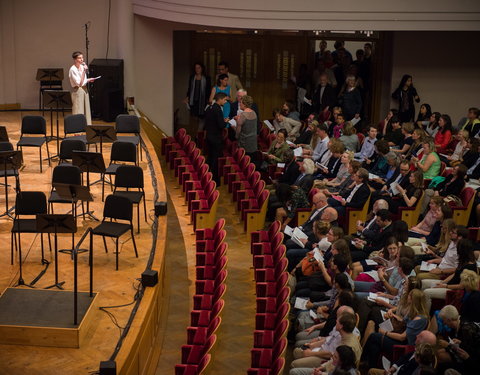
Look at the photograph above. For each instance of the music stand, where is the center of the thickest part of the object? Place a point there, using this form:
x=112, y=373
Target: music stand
x=73, y=193
x=55, y=223
x=50, y=78
x=55, y=99
x=101, y=134
x=89, y=162
x=10, y=161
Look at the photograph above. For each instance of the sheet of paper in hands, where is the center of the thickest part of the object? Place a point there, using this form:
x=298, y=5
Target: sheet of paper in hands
x=386, y=325
x=290, y=143
x=288, y=231
x=317, y=254
x=233, y=122
x=301, y=303
x=280, y=165
x=427, y=266
x=313, y=314
x=372, y=176
x=394, y=188
x=386, y=364
x=299, y=235
x=374, y=297
x=424, y=247
x=298, y=151
x=269, y=125
x=355, y=121
x=373, y=275
x=371, y=262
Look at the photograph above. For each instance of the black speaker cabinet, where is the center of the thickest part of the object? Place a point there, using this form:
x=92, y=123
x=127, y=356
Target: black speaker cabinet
x=107, y=92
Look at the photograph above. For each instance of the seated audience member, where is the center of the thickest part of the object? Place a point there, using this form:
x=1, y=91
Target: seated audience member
x=472, y=122
x=424, y=227
x=317, y=240
x=416, y=148
x=449, y=262
x=415, y=322
x=368, y=146
x=305, y=178
x=471, y=156
x=409, y=196
x=307, y=131
x=368, y=229
x=291, y=170
x=319, y=201
x=406, y=144
x=290, y=198
x=444, y=134
x=363, y=248
x=460, y=149
x=395, y=137
x=470, y=309
x=339, y=125
x=334, y=162
x=330, y=215
x=349, y=137
x=278, y=148
x=452, y=185
x=430, y=162
x=385, y=125
x=435, y=248
x=321, y=144
x=386, y=172
x=410, y=362
x=322, y=309
x=462, y=352
x=474, y=170
x=466, y=261
x=347, y=184
x=345, y=325
x=283, y=119
x=423, y=118
x=357, y=197
x=343, y=362
x=343, y=172
x=400, y=177
x=432, y=128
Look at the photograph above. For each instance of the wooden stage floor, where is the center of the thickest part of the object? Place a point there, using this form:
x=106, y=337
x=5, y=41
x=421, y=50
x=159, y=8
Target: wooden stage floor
x=114, y=287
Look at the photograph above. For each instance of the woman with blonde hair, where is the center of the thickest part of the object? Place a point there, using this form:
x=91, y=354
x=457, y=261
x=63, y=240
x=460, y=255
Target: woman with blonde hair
x=343, y=172
x=430, y=162
x=349, y=137
x=416, y=148
x=470, y=309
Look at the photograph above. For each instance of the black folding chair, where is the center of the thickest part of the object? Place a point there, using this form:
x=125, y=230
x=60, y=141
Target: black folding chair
x=34, y=134
x=115, y=208
x=64, y=174
x=27, y=203
x=122, y=152
x=129, y=124
x=131, y=177
x=76, y=124
x=67, y=146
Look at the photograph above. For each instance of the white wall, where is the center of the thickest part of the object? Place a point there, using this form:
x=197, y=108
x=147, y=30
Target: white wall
x=444, y=66
x=153, y=53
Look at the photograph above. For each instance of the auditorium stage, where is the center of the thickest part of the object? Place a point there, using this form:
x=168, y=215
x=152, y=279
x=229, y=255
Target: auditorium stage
x=114, y=288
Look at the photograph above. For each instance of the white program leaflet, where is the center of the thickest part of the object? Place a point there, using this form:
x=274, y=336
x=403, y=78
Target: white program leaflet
x=394, y=188
x=313, y=314
x=301, y=303
x=424, y=247
x=386, y=363
x=298, y=152
x=373, y=275
x=355, y=121
x=427, y=266
x=269, y=125
x=280, y=165
x=290, y=143
x=297, y=235
x=288, y=231
x=386, y=325
x=317, y=254
x=372, y=176
x=371, y=262
x=233, y=122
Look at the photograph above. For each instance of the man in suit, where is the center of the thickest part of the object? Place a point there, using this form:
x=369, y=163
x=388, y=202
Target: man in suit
x=400, y=176
x=363, y=248
x=291, y=171
x=324, y=96
x=235, y=105
x=407, y=363
x=233, y=80
x=305, y=178
x=214, y=125
x=356, y=198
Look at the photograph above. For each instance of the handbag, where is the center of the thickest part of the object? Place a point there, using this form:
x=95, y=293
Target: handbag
x=309, y=266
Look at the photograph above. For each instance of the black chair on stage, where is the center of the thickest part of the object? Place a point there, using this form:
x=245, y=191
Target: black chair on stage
x=7, y=146
x=115, y=208
x=76, y=124
x=34, y=134
x=129, y=124
x=27, y=203
x=67, y=146
x=122, y=152
x=131, y=177
x=64, y=174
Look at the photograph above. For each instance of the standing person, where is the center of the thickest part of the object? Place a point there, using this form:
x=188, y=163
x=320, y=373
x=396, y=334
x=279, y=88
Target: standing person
x=199, y=87
x=351, y=99
x=406, y=94
x=78, y=79
x=223, y=87
x=214, y=124
x=246, y=130
x=235, y=83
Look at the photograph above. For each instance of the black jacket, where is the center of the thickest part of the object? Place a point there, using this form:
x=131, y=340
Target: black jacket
x=329, y=98
x=290, y=174
x=214, y=123
x=359, y=198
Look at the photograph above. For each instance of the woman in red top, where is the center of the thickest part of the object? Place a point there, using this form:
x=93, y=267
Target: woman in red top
x=444, y=134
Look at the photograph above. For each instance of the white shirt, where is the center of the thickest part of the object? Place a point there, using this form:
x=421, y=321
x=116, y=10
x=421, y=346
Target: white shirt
x=353, y=193
x=75, y=76
x=320, y=148
x=368, y=148
x=333, y=340
x=450, y=259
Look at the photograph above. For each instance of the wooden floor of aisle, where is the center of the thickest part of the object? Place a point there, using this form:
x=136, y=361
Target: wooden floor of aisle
x=231, y=355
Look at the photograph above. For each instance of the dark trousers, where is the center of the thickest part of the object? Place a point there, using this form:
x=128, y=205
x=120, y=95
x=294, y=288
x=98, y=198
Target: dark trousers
x=215, y=150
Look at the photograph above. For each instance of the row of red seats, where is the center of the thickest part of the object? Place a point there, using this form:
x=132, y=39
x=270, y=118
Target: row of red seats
x=273, y=307
x=201, y=195
x=208, y=303
x=247, y=189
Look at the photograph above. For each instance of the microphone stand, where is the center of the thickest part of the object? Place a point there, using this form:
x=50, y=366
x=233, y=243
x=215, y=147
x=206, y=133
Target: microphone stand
x=87, y=42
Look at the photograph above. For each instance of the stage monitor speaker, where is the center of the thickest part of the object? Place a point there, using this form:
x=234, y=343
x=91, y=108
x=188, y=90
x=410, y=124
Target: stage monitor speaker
x=149, y=278
x=108, y=368
x=160, y=209
x=107, y=92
